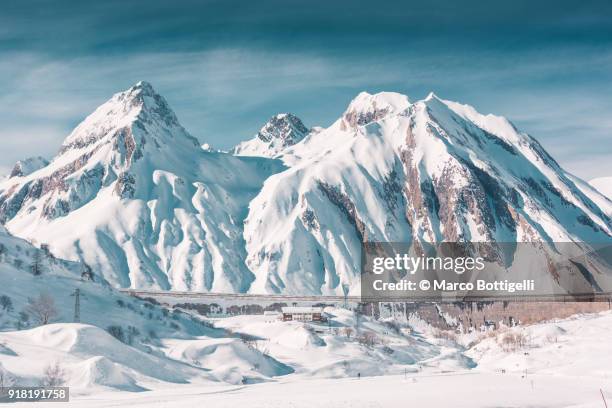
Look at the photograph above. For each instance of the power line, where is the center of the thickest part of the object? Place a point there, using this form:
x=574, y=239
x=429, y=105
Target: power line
x=77, y=305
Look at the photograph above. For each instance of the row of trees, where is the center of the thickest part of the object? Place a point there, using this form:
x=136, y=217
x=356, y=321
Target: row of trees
x=37, y=265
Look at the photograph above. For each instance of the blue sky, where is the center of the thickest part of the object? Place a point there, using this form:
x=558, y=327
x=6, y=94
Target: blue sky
x=227, y=66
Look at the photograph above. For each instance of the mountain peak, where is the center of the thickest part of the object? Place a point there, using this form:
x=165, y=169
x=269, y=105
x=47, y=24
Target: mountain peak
x=144, y=86
x=144, y=96
x=287, y=128
x=367, y=108
x=432, y=96
x=139, y=105
x=280, y=132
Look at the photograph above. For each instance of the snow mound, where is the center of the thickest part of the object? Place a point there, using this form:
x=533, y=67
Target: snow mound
x=104, y=372
x=299, y=337
x=230, y=360
x=349, y=368
x=91, y=356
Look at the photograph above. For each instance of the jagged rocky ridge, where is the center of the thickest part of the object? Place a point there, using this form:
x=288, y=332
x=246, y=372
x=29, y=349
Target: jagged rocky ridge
x=279, y=133
x=28, y=166
x=133, y=194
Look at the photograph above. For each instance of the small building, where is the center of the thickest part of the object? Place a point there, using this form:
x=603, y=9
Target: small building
x=303, y=314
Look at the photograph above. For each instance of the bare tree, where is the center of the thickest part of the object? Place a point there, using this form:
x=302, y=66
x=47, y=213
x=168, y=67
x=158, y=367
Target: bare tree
x=513, y=341
x=368, y=339
x=42, y=308
x=55, y=376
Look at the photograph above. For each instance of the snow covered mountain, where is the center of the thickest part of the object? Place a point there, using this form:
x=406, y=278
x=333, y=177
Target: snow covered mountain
x=136, y=197
x=603, y=185
x=133, y=194
x=391, y=170
x=279, y=133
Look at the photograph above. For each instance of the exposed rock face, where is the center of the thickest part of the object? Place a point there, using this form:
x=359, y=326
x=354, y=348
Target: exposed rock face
x=366, y=108
x=279, y=133
x=28, y=166
x=346, y=206
x=286, y=128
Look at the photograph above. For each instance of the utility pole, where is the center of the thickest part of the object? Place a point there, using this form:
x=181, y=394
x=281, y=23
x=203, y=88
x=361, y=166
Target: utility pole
x=77, y=305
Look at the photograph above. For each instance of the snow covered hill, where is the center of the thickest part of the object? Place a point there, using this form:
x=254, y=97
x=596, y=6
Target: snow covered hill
x=37, y=286
x=603, y=185
x=133, y=194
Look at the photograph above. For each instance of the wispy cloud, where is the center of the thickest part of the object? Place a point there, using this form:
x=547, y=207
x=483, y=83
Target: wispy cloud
x=223, y=94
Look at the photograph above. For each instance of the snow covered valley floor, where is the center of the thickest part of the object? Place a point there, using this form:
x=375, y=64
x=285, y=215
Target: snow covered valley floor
x=257, y=361
x=471, y=389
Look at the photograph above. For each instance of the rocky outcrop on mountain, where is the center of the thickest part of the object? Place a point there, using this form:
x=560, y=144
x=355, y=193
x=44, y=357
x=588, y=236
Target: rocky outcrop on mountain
x=366, y=108
x=28, y=166
x=279, y=133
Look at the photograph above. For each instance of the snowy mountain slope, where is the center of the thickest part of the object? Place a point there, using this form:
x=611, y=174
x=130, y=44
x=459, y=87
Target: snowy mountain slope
x=90, y=356
x=603, y=185
x=279, y=133
x=135, y=196
x=595, y=192
x=59, y=278
x=429, y=171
